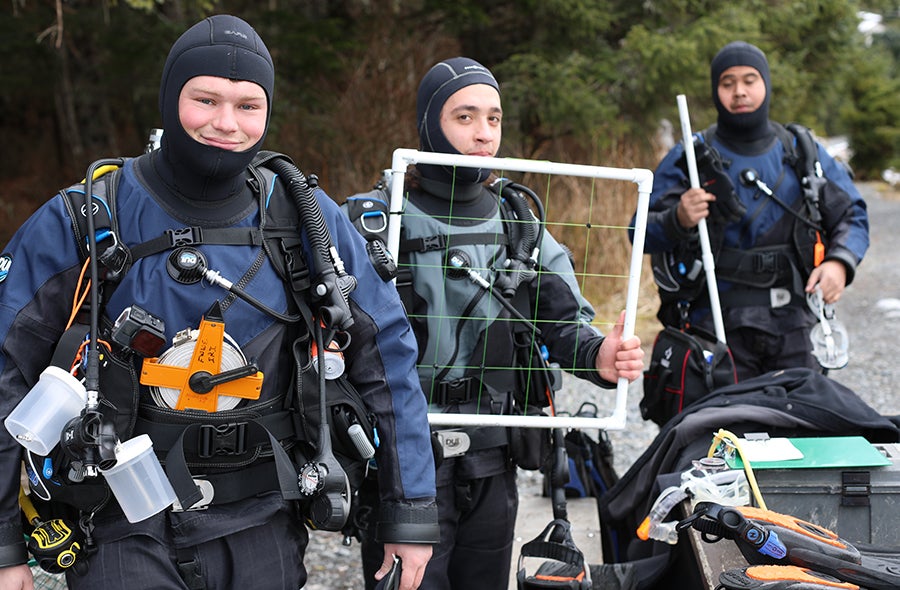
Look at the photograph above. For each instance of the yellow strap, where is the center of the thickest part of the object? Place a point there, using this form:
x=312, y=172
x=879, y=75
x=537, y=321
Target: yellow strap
x=722, y=436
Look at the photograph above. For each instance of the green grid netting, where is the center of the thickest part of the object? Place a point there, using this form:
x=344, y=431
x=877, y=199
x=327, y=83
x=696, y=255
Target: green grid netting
x=575, y=221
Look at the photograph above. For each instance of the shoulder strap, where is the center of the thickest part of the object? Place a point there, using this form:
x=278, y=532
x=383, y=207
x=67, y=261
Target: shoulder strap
x=114, y=258
x=806, y=155
x=331, y=285
x=803, y=155
x=369, y=212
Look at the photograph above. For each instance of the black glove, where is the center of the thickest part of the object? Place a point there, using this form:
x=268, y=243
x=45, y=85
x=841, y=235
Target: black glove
x=727, y=207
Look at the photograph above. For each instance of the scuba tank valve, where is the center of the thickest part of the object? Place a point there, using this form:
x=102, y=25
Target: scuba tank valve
x=154, y=140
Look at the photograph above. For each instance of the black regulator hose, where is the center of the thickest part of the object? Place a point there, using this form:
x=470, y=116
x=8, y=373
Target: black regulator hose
x=216, y=278
x=96, y=438
x=527, y=243
x=539, y=235
x=332, y=284
x=92, y=371
x=330, y=507
x=521, y=265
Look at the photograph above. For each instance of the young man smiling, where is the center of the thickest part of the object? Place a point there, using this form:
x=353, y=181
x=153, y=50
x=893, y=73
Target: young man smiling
x=228, y=114
x=200, y=197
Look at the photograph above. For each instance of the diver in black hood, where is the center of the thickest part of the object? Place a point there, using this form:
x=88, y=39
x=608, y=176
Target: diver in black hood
x=195, y=167
x=470, y=358
x=779, y=250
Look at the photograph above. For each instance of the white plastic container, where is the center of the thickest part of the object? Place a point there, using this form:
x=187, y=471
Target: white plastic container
x=37, y=422
x=138, y=481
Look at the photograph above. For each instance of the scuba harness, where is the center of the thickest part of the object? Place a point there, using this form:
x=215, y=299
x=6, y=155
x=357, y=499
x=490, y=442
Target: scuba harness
x=512, y=372
x=241, y=453
x=679, y=273
x=522, y=235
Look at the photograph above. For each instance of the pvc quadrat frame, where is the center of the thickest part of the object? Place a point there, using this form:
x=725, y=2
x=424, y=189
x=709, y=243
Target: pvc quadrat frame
x=643, y=178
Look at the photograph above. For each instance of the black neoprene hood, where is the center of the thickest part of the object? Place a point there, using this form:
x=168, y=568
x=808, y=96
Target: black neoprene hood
x=439, y=84
x=223, y=46
x=748, y=125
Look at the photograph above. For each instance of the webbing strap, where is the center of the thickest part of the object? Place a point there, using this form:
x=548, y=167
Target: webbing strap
x=749, y=297
x=442, y=242
x=246, y=483
x=552, y=550
x=187, y=236
x=189, y=493
x=760, y=267
x=166, y=435
x=189, y=568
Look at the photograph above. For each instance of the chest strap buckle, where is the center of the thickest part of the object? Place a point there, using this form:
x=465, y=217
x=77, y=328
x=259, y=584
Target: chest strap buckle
x=457, y=391
x=223, y=439
x=185, y=236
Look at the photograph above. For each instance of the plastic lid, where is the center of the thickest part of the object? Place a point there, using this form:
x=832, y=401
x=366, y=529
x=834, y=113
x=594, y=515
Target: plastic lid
x=70, y=380
x=129, y=450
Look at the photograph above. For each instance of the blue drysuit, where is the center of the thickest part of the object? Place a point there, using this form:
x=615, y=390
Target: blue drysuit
x=765, y=240
x=41, y=270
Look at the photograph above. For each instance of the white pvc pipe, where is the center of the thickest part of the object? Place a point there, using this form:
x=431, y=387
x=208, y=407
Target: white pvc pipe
x=709, y=264
x=404, y=157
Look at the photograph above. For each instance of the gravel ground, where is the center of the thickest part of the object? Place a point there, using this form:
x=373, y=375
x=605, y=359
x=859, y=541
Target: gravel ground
x=870, y=309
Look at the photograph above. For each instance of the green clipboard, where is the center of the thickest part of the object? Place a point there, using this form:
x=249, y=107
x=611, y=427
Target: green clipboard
x=824, y=452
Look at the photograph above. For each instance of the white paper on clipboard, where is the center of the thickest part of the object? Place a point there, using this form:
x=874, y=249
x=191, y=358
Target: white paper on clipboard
x=769, y=449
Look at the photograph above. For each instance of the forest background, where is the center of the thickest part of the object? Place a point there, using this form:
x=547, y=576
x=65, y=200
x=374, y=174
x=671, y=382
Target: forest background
x=583, y=81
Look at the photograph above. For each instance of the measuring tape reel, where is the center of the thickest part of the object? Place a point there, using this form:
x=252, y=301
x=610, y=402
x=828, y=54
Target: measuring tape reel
x=203, y=370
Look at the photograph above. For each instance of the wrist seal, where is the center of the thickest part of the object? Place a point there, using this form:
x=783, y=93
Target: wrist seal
x=409, y=523
x=11, y=555
x=407, y=532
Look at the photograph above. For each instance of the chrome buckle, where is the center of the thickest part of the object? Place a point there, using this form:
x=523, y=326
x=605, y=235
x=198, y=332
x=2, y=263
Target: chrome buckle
x=779, y=297
x=454, y=443
x=207, y=491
